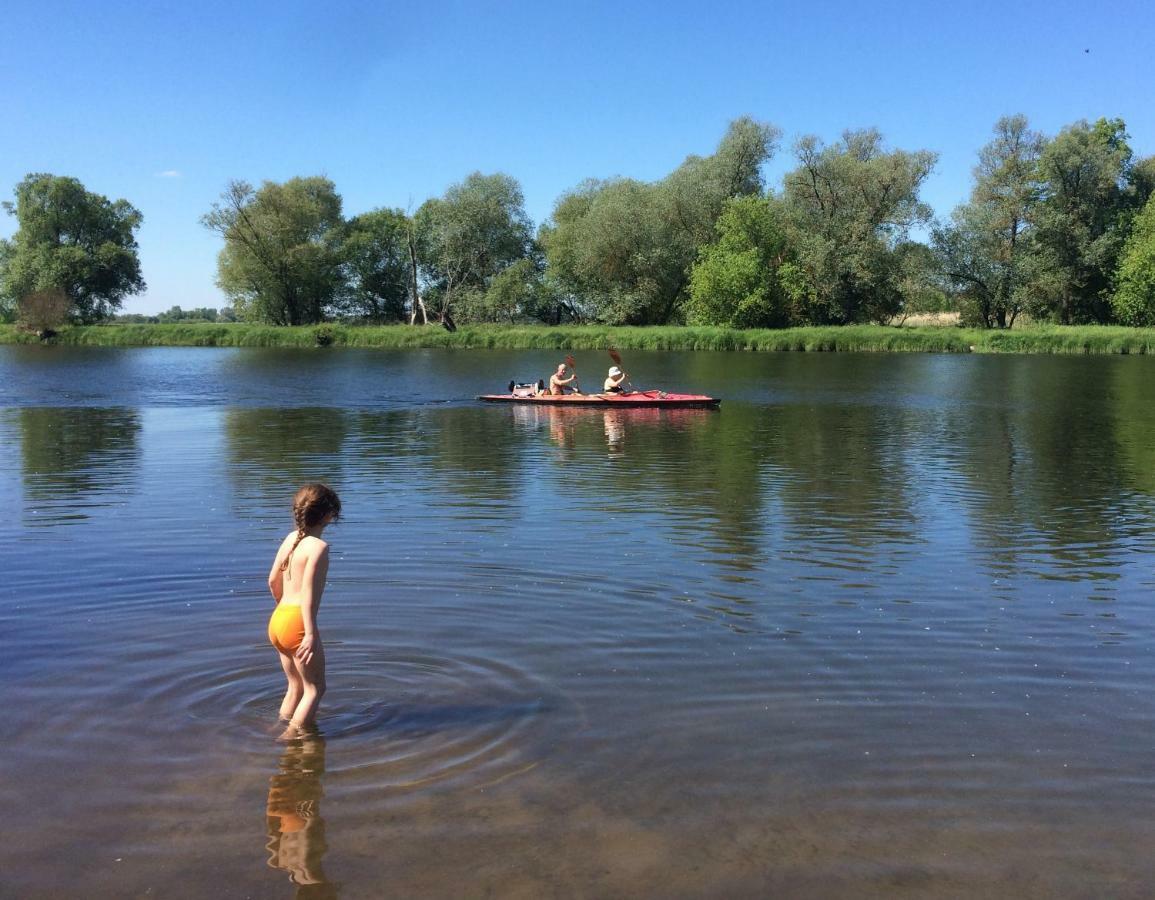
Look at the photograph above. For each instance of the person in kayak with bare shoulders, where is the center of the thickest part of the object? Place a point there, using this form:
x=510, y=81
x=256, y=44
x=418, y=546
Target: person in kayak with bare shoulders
x=558, y=382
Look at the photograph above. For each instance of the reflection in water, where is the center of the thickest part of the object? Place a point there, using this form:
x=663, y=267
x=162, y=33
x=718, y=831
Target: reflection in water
x=842, y=476
x=293, y=817
x=615, y=433
x=1042, y=469
x=75, y=456
x=480, y=451
x=1134, y=428
x=274, y=451
x=700, y=467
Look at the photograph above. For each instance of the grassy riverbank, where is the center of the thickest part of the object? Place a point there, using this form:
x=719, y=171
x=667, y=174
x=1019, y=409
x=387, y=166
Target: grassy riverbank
x=871, y=338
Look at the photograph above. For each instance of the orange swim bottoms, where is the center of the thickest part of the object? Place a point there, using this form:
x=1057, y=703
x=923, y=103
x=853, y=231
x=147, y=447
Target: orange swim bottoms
x=286, y=627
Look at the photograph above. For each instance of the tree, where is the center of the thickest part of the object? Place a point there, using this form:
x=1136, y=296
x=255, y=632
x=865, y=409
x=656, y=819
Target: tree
x=984, y=248
x=919, y=281
x=612, y=245
x=464, y=239
x=176, y=314
x=7, y=304
x=281, y=262
x=850, y=204
x=374, y=255
x=1134, y=300
x=1080, y=222
x=75, y=241
x=44, y=311
x=626, y=247
x=735, y=281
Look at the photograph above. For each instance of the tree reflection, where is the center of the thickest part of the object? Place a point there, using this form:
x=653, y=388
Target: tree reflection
x=480, y=449
x=1037, y=445
x=273, y=451
x=1131, y=382
x=841, y=472
x=692, y=463
x=75, y=458
x=296, y=830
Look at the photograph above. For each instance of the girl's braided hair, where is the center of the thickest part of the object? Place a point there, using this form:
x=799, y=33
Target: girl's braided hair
x=311, y=504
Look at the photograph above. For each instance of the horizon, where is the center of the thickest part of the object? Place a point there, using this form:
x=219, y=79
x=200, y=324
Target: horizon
x=396, y=106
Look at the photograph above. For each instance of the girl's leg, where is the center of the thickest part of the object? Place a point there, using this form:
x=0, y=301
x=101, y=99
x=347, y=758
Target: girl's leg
x=295, y=688
x=313, y=688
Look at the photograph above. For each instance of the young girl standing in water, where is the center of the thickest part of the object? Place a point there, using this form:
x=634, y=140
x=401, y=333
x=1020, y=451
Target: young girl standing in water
x=297, y=580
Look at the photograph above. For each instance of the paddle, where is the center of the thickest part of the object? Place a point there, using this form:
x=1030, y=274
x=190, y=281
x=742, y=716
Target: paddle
x=569, y=361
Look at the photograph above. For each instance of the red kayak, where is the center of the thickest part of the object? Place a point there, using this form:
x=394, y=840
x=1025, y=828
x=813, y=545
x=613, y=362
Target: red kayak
x=631, y=400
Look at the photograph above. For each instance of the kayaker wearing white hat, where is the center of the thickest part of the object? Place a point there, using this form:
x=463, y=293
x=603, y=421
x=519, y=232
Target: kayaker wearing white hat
x=614, y=379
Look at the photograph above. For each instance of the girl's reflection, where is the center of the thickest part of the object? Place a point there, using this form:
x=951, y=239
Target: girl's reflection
x=296, y=829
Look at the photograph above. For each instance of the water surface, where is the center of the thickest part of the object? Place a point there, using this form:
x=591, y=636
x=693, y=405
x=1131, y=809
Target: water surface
x=881, y=625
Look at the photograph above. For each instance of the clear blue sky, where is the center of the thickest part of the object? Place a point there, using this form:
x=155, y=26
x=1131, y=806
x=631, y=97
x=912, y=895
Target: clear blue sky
x=162, y=103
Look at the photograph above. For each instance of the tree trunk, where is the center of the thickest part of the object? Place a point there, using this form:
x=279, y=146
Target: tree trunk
x=418, y=303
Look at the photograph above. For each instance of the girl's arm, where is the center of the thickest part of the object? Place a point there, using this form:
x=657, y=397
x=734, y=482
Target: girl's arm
x=316, y=569
x=276, y=575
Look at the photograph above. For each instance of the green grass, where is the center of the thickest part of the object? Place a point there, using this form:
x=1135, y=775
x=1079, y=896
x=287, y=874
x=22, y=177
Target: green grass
x=870, y=338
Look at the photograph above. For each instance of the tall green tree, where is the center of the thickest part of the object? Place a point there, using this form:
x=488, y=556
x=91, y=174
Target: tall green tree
x=850, y=204
x=73, y=240
x=984, y=248
x=467, y=237
x=626, y=248
x=1081, y=222
x=7, y=303
x=281, y=262
x=374, y=252
x=1134, y=299
x=735, y=281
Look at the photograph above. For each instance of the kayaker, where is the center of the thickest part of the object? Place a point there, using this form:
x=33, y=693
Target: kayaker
x=614, y=381
x=558, y=382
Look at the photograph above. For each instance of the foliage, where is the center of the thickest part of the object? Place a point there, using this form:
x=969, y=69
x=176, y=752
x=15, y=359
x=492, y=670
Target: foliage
x=43, y=311
x=984, y=247
x=466, y=238
x=281, y=261
x=735, y=280
x=919, y=281
x=72, y=240
x=7, y=304
x=1080, y=223
x=627, y=247
x=1134, y=299
x=176, y=314
x=374, y=254
x=515, y=294
x=849, y=205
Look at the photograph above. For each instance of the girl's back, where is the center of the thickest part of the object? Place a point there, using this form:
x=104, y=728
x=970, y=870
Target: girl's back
x=298, y=575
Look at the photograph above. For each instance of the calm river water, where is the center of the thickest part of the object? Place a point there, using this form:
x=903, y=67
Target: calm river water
x=881, y=625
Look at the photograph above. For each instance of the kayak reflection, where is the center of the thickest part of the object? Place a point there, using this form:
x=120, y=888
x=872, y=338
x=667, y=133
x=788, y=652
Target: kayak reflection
x=570, y=427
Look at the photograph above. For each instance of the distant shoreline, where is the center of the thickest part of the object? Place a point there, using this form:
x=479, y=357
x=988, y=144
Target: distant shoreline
x=1041, y=339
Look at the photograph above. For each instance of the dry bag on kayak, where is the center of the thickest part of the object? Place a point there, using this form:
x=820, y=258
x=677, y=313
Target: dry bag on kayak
x=526, y=389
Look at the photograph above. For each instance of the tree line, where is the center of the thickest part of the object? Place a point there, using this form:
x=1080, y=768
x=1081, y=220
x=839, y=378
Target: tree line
x=1060, y=228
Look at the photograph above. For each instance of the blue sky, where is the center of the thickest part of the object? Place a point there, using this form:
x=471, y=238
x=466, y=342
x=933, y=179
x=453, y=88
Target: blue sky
x=162, y=103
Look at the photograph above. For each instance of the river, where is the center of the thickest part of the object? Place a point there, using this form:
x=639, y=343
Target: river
x=881, y=625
